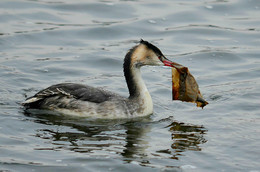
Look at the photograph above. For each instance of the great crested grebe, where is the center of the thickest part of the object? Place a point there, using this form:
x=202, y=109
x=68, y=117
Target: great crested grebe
x=82, y=100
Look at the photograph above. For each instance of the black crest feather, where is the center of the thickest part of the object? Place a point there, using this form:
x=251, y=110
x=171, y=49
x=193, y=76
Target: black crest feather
x=152, y=47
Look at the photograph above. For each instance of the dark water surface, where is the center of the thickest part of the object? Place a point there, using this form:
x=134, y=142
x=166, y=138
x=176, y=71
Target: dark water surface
x=44, y=42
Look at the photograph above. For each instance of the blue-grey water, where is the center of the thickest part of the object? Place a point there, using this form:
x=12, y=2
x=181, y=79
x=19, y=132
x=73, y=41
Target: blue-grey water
x=45, y=42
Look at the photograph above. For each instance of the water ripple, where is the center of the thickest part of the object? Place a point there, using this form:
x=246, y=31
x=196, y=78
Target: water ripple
x=46, y=42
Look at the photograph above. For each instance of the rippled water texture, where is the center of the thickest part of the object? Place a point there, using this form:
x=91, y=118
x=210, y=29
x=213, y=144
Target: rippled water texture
x=44, y=42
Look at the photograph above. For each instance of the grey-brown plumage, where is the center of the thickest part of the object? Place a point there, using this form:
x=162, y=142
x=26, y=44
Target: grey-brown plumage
x=71, y=91
x=83, y=100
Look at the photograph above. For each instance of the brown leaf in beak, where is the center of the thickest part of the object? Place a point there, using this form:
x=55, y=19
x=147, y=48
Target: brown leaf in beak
x=185, y=87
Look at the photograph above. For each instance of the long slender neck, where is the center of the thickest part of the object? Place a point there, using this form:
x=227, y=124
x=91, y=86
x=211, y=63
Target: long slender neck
x=135, y=83
x=140, y=99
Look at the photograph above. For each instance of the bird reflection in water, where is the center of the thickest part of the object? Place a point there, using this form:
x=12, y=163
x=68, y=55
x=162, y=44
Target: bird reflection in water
x=186, y=137
x=128, y=139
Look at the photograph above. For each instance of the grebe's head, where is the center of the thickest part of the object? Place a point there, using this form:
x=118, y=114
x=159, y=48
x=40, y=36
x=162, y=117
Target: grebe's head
x=147, y=54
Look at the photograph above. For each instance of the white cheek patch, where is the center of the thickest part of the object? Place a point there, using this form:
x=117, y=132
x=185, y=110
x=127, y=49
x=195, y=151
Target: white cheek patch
x=143, y=56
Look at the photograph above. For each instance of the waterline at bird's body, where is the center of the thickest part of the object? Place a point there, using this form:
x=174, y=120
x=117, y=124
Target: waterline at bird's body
x=82, y=100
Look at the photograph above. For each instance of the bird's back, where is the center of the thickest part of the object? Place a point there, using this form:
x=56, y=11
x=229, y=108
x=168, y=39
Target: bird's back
x=55, y=94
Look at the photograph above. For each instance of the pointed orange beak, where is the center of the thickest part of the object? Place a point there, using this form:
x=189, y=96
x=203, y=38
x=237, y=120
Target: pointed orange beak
x=169, y=63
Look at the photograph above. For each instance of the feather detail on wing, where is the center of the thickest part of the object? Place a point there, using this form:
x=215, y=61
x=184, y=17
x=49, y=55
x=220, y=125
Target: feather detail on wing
x=73, y=91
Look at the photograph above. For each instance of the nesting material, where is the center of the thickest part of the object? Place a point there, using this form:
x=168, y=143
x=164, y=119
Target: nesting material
x=185, y=87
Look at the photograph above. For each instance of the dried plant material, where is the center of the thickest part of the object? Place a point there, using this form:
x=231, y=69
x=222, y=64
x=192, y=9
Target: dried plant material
x=185, y=87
